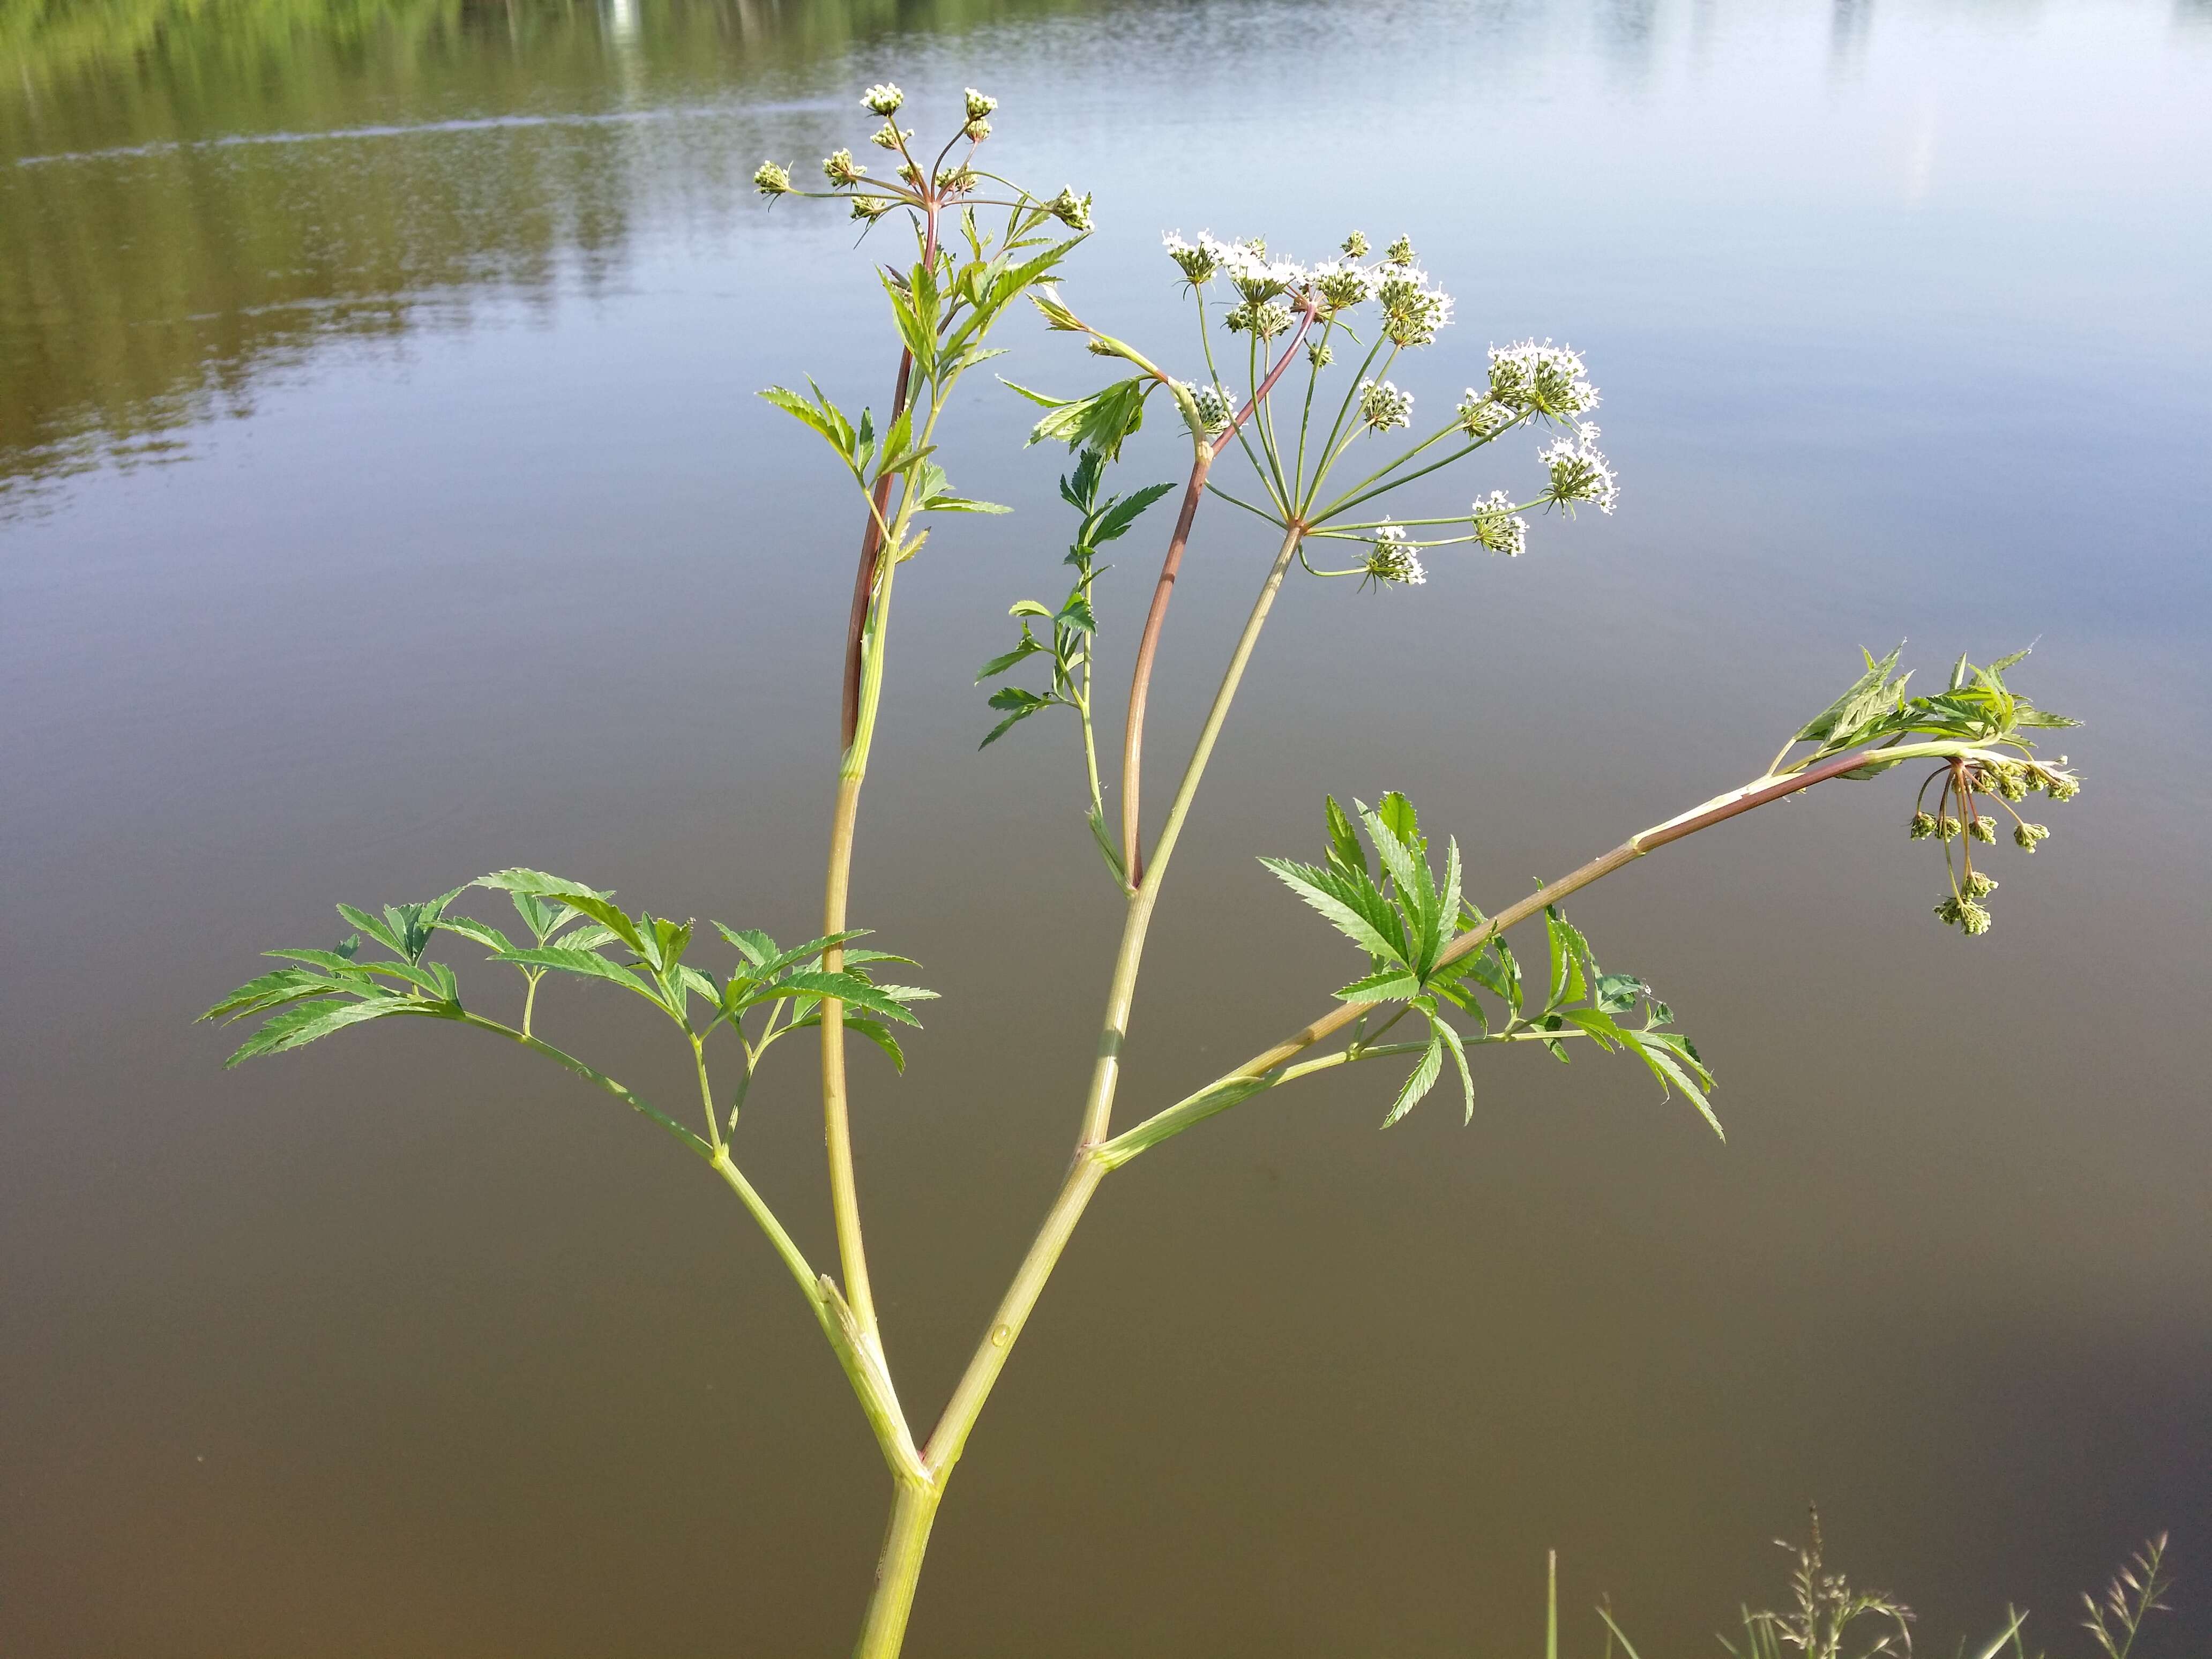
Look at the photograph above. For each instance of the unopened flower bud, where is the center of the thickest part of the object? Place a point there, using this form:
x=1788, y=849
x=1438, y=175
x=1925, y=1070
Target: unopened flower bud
x=2062, y=787
x=1948, y=828
x=978, y=106
x=891, y=135
x=1973, y=920
x=954, y=181
x=1982, y=827
x=1978, y=885
x=884, y=99
x=871, y=208
x=1355, y=245
x=772, y=179
x=840, y=169
x=1400, y=253
x=977, y=130
x=1923, y=825
x=2026, y=837
x=1319, y=354
x=2009, y=782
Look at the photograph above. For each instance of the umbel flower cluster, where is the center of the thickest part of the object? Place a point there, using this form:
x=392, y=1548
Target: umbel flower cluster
x=911, y=184
x=1966, y=807
x=1275, y=305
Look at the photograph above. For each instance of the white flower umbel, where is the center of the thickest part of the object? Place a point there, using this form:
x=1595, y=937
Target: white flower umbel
x=840, y=169
x=1578, y=472
x=1479, y=415
x=1389, y=560
x=979, y=108
x=1497, y=527
x=1255, y=276
x=1341, y=285
x=1384, y=407
x=1412, y=310
x=1528, y=376
x=1071, y=210
x=1199, y=261
x=891, y=135
x=884, y=99
x=772, y=178
x=1264, y=320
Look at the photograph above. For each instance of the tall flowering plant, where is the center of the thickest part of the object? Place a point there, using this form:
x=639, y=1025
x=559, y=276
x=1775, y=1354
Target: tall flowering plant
x=1427, y=960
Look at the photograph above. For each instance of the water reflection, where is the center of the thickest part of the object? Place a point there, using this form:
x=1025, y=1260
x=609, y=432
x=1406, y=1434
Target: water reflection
x=188, y=208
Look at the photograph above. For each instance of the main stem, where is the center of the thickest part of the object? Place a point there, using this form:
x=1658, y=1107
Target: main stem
x=862, y=690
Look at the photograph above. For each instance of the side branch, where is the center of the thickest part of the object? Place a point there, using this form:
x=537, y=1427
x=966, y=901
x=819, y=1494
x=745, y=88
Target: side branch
x=1266, y=1068
x=1133, y=731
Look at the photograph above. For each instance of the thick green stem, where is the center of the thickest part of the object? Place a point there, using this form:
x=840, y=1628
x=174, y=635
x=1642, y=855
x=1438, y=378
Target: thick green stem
x=836, y=1120
x=898, y=1570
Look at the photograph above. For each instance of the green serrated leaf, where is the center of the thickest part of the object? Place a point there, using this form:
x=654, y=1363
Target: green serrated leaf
x=1451, y=1039
x=1419, y=1082
x=296, y=1026
x=1355, y=907
x=1389, y=984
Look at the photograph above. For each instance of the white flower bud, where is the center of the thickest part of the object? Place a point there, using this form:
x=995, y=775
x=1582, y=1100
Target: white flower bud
x=883, y=100
x=978, y=106
x=891, y=135
x=840, y=169
x=772, y=179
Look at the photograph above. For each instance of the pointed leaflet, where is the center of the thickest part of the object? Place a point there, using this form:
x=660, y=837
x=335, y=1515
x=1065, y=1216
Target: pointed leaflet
x=1459, y=1059
x=286, y=985
x=1850, y=710
x=489, y=937
x=1122, y=512
x=589, y=963
x=588, y=901
x=854, y=991
x=297, y=1026
x=1356, y=908
x=1389, y=984
x=860, y=1025
x=1666, y=1061
x=753, y=945
x=1568, y=951
x=1346, y=856
x=374, y=927
x=1422, y=1079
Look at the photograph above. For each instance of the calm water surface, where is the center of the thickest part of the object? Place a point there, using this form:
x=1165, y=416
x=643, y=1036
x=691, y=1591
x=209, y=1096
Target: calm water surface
x=383, y=500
